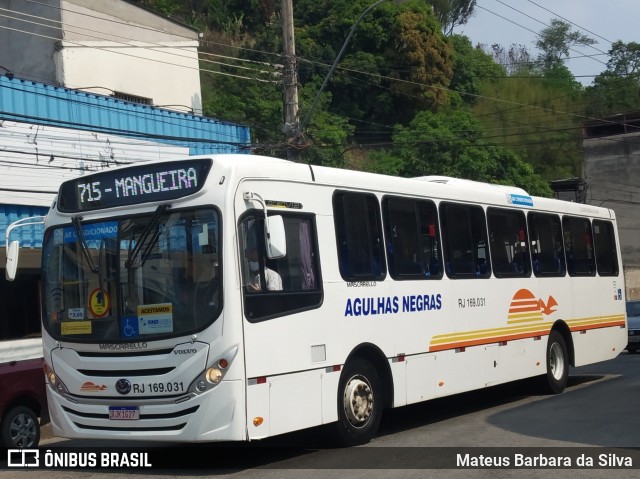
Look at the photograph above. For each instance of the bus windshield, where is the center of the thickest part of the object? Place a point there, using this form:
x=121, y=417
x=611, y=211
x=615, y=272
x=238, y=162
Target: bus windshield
x=132, y=278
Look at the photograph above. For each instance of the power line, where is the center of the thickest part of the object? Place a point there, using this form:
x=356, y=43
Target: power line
x=569, y=21
x=528, y=29
x=543, y=23
x=394, y=79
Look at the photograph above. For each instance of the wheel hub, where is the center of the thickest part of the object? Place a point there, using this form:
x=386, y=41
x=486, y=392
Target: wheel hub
x=22, y=431
x=358, y=401
x=556, y=361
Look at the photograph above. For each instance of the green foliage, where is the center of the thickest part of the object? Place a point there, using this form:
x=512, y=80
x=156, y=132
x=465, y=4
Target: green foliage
x=617, y=89
x=256, y=104
x=451, y=143
x=397, y=83
x=164, y=7
x=471, y=67
x=396, y=63
x=537, y=117
x=451, y=13
x=556, y=41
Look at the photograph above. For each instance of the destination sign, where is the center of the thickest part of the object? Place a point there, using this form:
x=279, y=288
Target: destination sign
x=143, y=183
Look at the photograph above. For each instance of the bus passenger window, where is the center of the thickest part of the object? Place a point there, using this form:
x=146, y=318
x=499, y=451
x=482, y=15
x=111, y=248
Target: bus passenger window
x=606, y=252
x=361, y=255
x=547, y=245
x=464, y=239
x=578, y=242
x=413, y=238
x=508, y=242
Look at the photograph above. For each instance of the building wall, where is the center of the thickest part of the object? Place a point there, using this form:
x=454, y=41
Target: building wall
x=107, y=46
x=28, y=48
x=611, y=169
x=130, y=50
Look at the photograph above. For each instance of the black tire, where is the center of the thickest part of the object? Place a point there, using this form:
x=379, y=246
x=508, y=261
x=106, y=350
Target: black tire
x=555, y=380
x=359, y=403
x=20, y=428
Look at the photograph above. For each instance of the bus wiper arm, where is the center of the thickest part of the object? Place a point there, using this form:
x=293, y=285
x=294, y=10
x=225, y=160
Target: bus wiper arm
x=153, y=222
x=85, y=249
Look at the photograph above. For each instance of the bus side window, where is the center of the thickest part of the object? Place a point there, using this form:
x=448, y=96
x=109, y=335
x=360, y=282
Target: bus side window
x=361, y=255
x=508, y=242
x=412, y=236
x=578, y=241
x=606, y=251
x=547, y=244
x=464, y=239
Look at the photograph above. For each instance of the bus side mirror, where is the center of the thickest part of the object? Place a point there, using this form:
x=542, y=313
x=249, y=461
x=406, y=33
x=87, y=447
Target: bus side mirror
x=13, y=250
x=275, y=237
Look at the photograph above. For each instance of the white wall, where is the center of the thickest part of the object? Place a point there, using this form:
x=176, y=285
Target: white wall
x=34, y=159
x=167, y=74
x=116, y=46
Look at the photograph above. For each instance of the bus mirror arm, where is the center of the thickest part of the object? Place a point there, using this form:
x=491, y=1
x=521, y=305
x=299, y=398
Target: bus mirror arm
x=274, y=234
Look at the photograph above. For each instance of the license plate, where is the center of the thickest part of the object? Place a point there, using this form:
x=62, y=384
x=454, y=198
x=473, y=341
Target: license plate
x=634, y=339
x=124, y=413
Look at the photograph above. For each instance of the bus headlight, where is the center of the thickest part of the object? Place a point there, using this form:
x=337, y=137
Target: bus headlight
x=54, y=381
x=213, y=375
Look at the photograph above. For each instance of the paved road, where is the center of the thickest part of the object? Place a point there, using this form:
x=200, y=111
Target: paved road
x=598, y=410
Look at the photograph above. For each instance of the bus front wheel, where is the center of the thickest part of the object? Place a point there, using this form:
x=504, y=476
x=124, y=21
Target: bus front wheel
x=557, y=363
x=359, y=403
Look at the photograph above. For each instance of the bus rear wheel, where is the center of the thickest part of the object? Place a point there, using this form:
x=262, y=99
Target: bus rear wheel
x=557, y=363
x=359, y=403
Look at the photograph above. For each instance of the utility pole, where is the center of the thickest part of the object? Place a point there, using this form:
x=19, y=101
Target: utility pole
x=290, y=80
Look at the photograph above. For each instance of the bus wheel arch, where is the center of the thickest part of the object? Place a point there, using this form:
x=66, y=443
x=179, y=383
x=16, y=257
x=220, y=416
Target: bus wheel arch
x=558, y=357
x=364, y=390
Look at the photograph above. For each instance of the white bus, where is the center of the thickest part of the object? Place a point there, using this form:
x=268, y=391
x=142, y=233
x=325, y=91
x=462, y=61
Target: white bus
x=238, y=297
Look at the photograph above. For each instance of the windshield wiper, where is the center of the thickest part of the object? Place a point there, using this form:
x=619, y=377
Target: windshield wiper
x=85, y=249
x=151, y=225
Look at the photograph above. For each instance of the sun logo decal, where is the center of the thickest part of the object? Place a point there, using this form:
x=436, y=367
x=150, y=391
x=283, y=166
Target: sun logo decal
x=525, y=307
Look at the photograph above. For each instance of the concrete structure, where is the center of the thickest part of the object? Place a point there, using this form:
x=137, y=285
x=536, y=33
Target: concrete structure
x=107, y=47
x=611, y=169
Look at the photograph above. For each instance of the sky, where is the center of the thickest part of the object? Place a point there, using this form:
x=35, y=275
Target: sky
x=518, y=21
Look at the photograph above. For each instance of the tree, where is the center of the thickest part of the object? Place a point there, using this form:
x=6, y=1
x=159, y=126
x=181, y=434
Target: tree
x=516, y=59
x=471, y=68
x=397, y=63
x=617, y=89
x=451, y=143
x=451, y=13
x=556, y=40
x=538, y=117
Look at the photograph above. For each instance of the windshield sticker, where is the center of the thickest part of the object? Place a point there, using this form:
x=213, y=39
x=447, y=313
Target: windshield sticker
x=76, y=314
x=91, y=232
x=129, y=327
x=99, y=303
x=75, y=327
x=155, y=318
